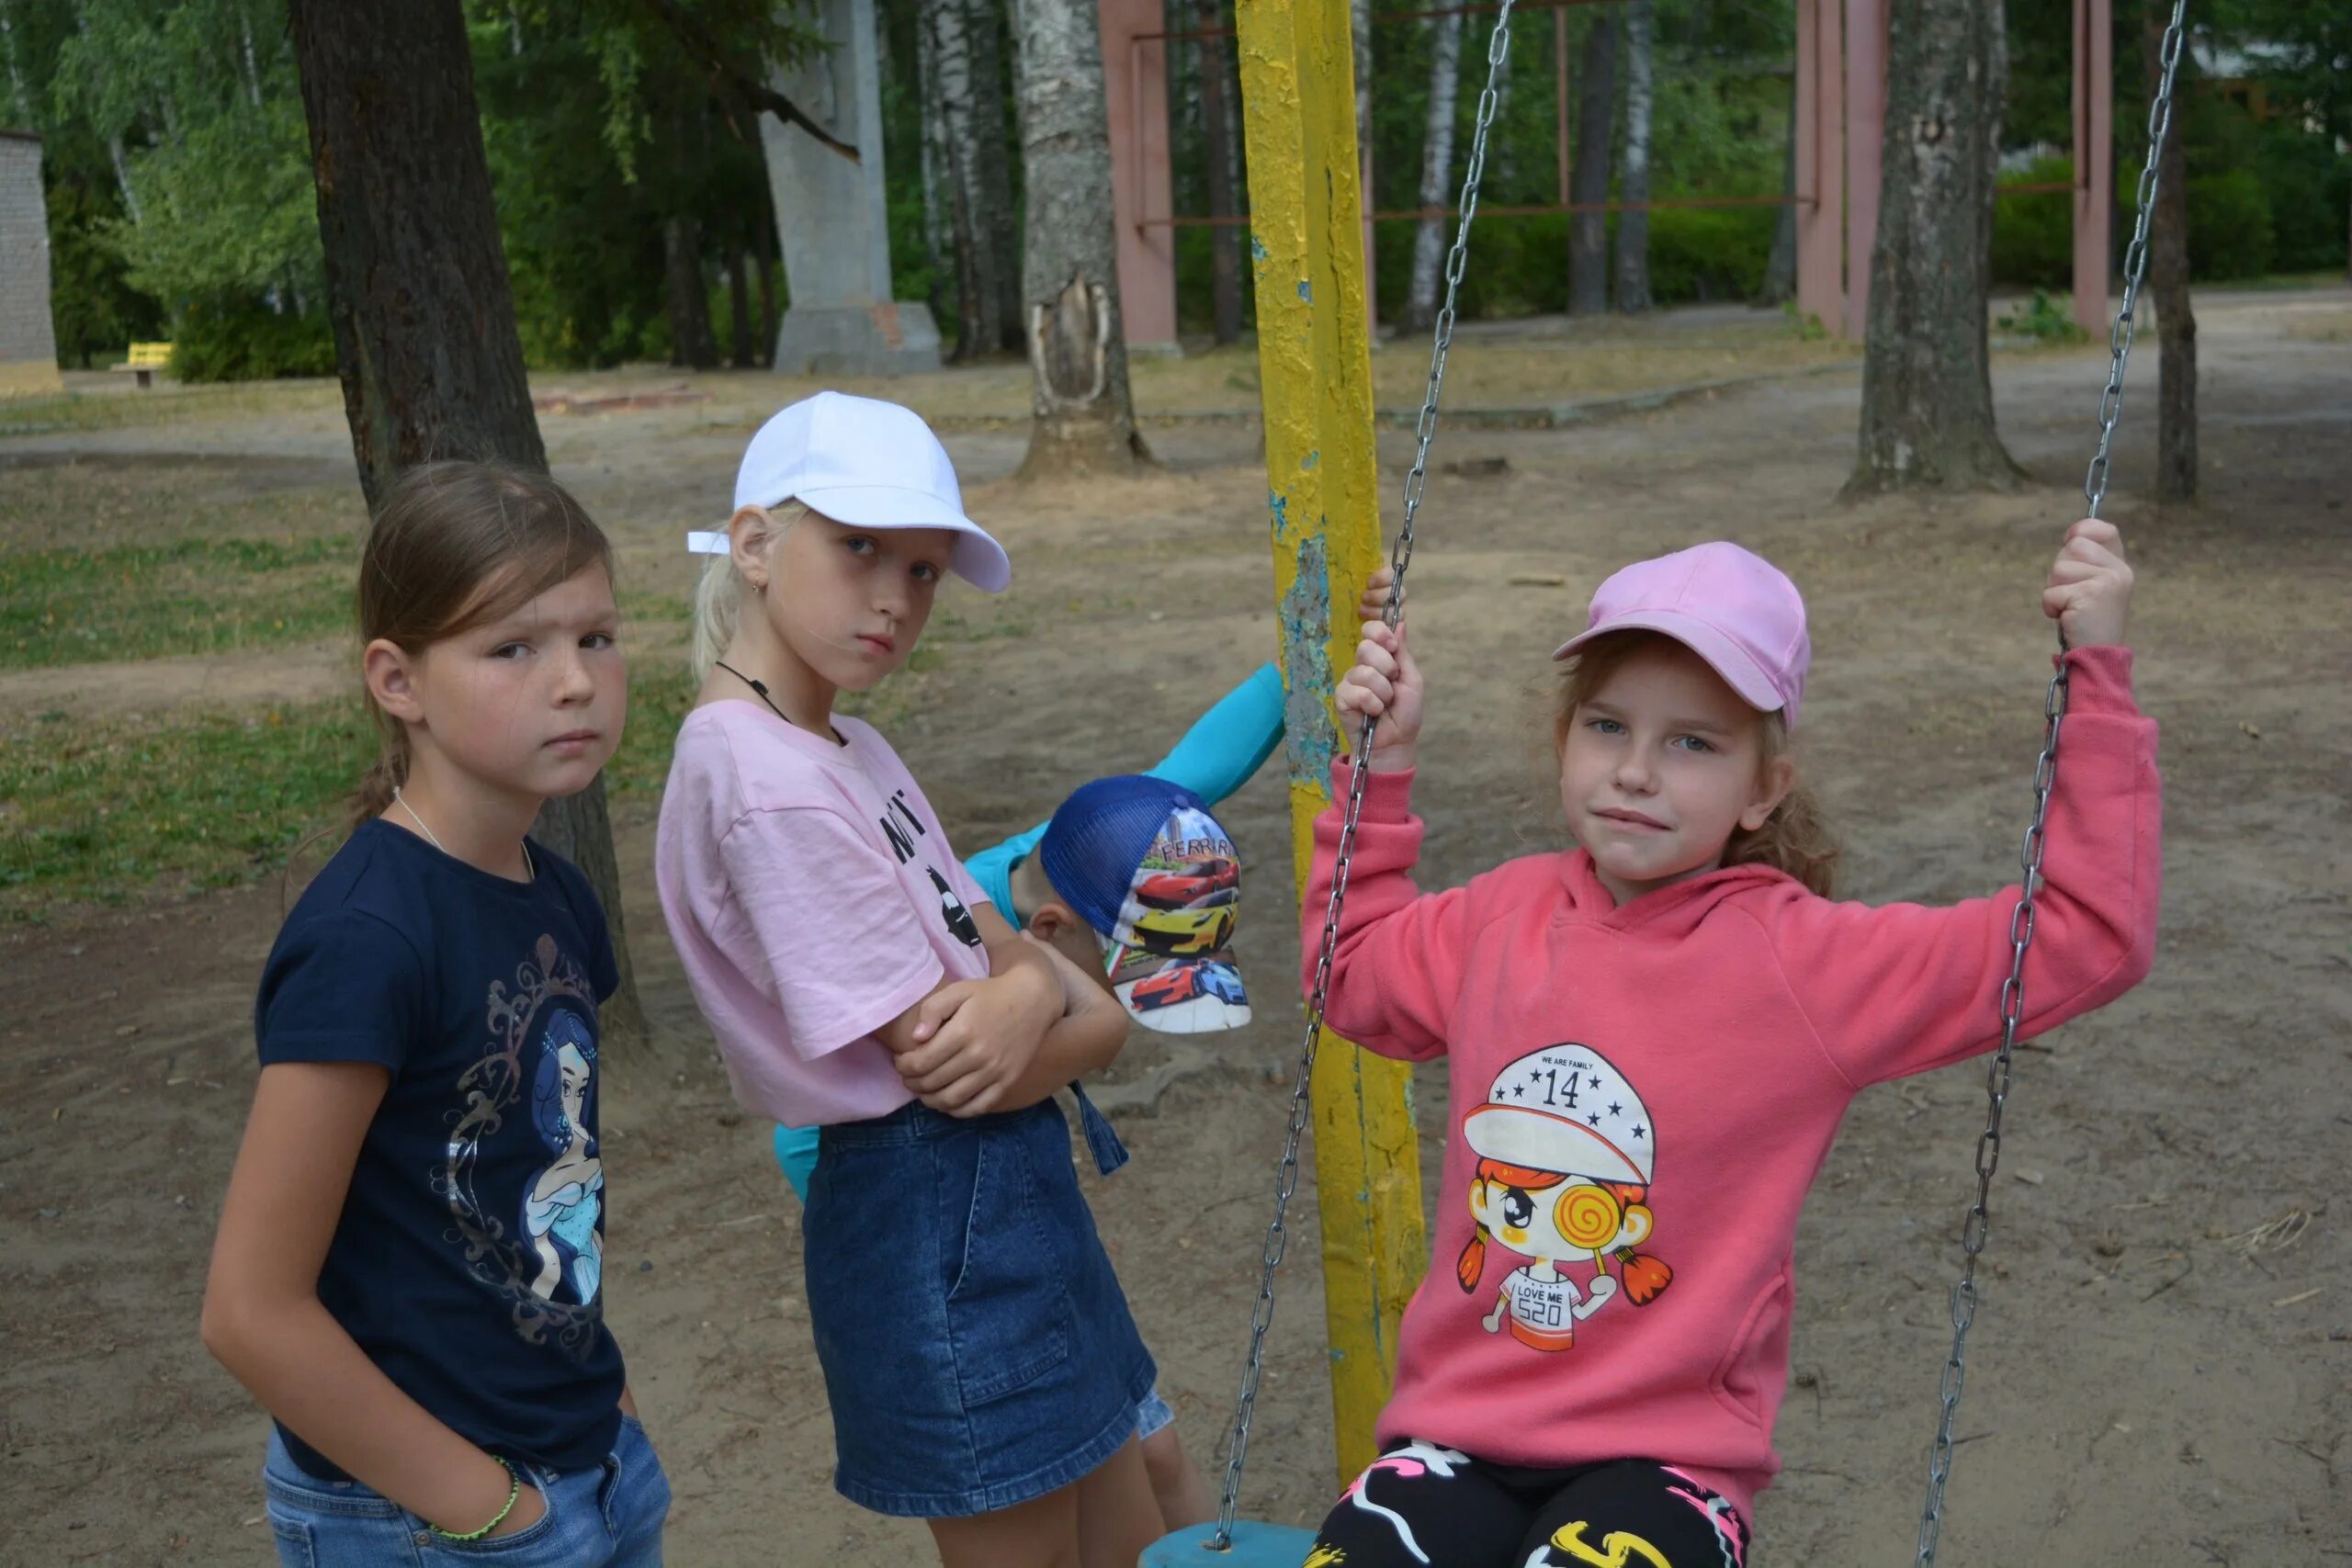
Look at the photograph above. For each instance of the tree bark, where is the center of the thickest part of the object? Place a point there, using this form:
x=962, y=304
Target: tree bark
x=2168, y=288
x=692, y=345
x=764, y=261
x=1780, y=267
x=994, y=166
x=1596, y=116
x=1083, y=415
x=1218, y=120
x=738, y=310
x=1437, y=167
x=978, y=297
x=1926, y=372
x=1634, y=173
x=417, y=296
x=937, y=233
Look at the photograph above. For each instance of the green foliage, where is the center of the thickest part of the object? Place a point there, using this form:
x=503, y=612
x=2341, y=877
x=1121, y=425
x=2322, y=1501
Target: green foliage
x=2230, y=232
x=93, y=306
x=2033, y=236
x=225, y=336
x=2044, y=319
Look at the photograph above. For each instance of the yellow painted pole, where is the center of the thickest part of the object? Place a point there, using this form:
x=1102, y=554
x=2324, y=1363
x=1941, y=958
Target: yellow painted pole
x=1314, y=371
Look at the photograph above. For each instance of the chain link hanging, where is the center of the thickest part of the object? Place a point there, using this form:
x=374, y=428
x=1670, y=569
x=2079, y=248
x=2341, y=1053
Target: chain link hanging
x=1261, y=1315
x=2045, y=768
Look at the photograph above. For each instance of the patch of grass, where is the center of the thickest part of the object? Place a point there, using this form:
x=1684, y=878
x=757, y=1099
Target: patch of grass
x=116, y=813
x=196, y=595
x=105, y=814
x=2044, y=319
x=164, y=405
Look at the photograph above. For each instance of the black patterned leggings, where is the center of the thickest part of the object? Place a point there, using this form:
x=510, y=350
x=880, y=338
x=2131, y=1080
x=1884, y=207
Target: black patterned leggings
x=1420, y=1506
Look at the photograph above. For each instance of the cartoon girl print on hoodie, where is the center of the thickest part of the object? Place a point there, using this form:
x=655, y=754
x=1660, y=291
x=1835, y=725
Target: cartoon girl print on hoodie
x=1566, y=1152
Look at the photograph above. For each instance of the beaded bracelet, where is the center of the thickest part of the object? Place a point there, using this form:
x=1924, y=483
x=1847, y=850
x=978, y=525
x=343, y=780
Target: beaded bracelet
x=514, y=1490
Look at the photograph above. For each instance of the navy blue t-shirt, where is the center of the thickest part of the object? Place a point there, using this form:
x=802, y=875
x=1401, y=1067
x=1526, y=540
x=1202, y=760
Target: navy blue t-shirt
x=469, y=1258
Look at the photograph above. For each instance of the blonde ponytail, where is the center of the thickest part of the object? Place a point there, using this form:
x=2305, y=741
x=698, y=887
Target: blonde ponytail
x=718, y=597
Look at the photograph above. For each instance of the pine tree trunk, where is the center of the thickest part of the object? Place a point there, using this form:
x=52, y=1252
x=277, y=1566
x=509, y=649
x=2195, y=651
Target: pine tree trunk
x=692, y=345
x=1780, y=267
x=738, y=310
x=1437, y=167
x=1083, y=415
x=1220, y=123
x=1633, y=173
x=2168, y=288
x=417, y=295
x=1926, y=371
x=1596, y=116
x=1001, y=223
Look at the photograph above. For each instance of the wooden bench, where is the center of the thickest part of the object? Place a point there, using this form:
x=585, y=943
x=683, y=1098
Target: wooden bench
x=146, y=358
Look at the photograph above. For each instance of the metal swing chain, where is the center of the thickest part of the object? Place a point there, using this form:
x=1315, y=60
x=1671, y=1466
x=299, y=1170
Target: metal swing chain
x=1261, y=1315
x=2045, y=768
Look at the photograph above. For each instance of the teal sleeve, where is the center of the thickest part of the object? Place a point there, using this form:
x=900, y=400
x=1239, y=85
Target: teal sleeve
x=1220, y=753
x=1227, y=744
x=796, y=1151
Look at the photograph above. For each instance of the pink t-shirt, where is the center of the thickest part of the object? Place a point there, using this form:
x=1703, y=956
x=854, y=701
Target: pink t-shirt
x=813, y=898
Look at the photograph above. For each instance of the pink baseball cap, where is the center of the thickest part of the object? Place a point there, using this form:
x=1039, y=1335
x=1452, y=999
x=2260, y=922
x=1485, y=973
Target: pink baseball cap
x=1730, y=607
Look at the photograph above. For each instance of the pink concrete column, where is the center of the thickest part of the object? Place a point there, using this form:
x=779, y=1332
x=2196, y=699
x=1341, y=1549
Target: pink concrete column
x=1135, y=82
x=1866, y=22
x=2094, y=159
x=1821, y=164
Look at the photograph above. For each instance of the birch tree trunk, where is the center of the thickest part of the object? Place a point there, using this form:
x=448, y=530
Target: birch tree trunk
x=1780, y=267
x=1437, y=167
x=2168, y=286
x=417, y=296
x=1596, y=116
x=937, y=239
x=1926, y=372
x=980, y=295
x=1083, y=417
x=1633, y=173
x=1219, y=97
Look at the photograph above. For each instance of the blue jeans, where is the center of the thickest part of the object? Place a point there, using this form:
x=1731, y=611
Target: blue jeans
x=609, y=1517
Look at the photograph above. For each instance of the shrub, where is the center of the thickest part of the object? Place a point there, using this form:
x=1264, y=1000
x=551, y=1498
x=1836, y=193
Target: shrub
x=2230, y=232
x=229, y=338
x=2033, y=236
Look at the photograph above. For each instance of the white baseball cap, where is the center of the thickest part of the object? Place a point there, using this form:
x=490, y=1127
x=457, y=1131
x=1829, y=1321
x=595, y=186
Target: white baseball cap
x=868, y=464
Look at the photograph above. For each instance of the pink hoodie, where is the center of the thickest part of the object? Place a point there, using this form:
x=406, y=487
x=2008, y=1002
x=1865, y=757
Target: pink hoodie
x=1642, y=1096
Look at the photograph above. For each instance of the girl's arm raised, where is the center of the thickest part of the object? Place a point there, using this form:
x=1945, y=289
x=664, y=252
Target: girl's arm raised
x=263, y=1321
x=1902, y=989
x=1398, y=959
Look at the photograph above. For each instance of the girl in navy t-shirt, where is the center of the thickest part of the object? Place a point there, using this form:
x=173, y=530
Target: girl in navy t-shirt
x=409, y=1269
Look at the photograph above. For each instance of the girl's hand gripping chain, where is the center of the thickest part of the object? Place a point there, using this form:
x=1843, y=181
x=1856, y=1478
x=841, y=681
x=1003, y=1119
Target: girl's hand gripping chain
x=2090, y=587
x=1385, y=683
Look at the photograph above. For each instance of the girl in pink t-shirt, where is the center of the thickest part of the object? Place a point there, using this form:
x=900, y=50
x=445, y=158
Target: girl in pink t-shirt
x=983, y=1369
x=1651, y=1039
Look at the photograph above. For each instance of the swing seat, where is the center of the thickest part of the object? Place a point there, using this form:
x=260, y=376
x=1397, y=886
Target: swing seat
x=1254, y=1546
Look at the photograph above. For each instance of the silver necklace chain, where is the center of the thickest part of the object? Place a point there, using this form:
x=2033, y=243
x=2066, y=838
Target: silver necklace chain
x=530, y=872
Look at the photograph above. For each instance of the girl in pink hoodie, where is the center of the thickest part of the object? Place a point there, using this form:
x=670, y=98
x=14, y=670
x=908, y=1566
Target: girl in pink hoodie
x=1651, y=1039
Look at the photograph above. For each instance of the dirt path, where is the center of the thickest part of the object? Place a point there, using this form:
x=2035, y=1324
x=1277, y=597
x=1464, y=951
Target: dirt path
x=2151, y=1380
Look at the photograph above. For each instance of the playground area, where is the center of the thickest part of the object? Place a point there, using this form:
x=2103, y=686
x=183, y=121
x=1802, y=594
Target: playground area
x=2162, y=1370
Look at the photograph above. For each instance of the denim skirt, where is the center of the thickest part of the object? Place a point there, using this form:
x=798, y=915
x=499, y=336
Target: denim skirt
x=977, y=1348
